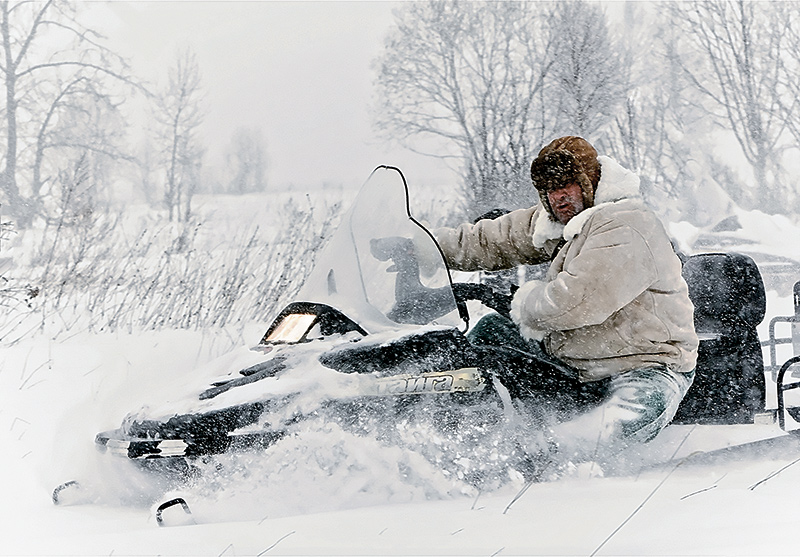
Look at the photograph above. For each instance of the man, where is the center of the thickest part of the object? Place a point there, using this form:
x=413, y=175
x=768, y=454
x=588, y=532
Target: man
x=612, y=322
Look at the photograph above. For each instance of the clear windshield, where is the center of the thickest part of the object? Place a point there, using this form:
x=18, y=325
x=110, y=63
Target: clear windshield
x=368, y=270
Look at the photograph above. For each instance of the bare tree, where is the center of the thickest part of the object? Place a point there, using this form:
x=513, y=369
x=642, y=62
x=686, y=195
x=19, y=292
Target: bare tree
x=178, y=114
x=147, y=167
x=246, y=161
x=497, y=80
x=590, y=76
x=790, y=76
x=57, y=77
x=742, y=64
x=472, y=74
x=654, y=132
x=83, y=123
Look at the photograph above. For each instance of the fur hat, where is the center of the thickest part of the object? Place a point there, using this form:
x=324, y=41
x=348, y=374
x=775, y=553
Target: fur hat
x=566, y=160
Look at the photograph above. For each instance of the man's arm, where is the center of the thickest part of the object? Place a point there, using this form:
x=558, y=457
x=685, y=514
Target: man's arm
x=492, y=244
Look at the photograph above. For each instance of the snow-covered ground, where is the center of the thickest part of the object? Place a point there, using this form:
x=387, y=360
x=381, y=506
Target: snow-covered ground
x=327, y=492
x=336, y=494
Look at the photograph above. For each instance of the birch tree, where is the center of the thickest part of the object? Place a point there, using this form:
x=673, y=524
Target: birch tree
x=178, y=115
x=246, y=160
x=57, y=77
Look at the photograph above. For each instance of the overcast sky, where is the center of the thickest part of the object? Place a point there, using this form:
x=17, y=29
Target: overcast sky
x=299, y=70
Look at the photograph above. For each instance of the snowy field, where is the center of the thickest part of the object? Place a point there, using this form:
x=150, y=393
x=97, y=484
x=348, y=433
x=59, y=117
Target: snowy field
x=327, y=492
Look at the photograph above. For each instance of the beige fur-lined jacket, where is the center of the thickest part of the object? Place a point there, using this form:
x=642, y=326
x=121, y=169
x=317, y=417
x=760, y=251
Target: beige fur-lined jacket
x=613, y=300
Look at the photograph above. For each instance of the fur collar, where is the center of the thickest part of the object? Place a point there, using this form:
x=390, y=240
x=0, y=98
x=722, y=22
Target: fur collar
x=616, y=184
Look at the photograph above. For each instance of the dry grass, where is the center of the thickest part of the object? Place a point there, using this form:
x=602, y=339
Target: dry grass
x=89, y=274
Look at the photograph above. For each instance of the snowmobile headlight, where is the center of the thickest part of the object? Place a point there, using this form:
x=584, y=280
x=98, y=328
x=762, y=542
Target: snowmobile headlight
x=292, y=328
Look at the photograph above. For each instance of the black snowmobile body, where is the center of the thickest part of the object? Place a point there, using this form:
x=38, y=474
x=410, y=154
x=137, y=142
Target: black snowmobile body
x=373, y=332
x=369, y=327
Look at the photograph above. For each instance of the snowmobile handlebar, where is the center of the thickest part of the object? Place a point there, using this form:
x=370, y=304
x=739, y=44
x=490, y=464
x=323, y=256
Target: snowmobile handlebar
x=485, y=294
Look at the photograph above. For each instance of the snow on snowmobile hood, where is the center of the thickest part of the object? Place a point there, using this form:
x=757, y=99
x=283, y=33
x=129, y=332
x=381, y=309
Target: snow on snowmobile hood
x=301, y=381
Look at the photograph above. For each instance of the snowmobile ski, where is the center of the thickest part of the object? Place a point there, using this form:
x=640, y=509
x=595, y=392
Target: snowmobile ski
x=161, y=521
x=71, y=485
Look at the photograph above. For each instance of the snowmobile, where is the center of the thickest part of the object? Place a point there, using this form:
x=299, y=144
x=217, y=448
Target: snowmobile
x=377, y=332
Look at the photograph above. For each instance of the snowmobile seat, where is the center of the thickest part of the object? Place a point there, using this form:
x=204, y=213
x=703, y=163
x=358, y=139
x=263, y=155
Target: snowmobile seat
x=729, y=303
